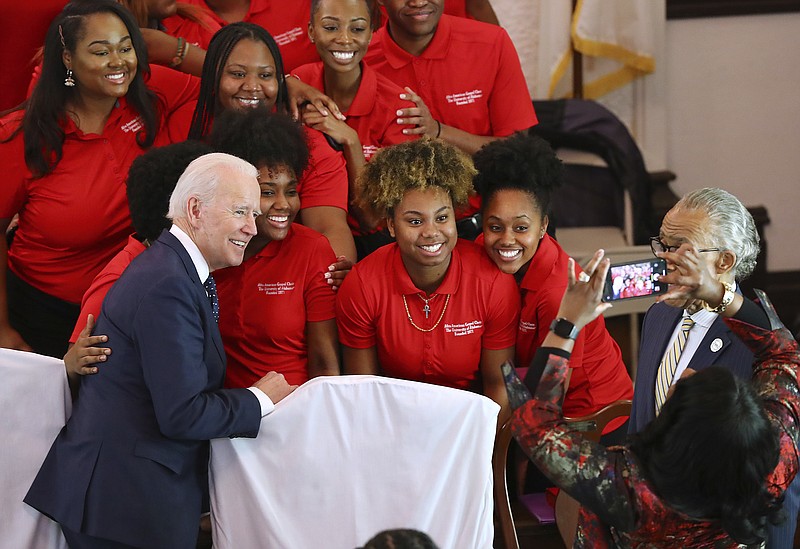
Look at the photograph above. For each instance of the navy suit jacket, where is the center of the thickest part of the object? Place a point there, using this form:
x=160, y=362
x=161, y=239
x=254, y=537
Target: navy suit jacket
x=131, y=463
x=659, y=323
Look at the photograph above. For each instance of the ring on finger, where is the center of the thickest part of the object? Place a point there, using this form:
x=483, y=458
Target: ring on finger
x=583, y=277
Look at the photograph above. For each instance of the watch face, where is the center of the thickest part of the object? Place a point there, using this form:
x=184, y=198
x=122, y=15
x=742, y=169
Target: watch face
x=564, y=328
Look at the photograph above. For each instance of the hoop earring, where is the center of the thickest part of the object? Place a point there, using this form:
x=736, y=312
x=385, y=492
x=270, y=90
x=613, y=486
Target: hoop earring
x=69, y=81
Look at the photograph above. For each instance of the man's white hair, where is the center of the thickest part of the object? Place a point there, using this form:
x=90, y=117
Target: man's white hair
x=202, y=179
x=730, y=227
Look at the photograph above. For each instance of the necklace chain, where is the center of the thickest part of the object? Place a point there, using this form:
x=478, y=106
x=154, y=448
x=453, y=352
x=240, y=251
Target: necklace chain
x=441, y=316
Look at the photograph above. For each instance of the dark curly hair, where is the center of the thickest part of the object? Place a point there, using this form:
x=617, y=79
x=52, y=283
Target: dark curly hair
x=708, y=452
x=262, y=138
x=401, y=539
x=418, y=164
x=521, y=162
x=219, y=49
x=151, y=180
x=45, y=111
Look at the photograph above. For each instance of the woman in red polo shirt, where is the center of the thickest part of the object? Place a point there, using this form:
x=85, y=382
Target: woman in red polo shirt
x=516, y=177
x=429, y=307
x=65, y=158
x=243, y=69
x=276, y=308
x=341, y=31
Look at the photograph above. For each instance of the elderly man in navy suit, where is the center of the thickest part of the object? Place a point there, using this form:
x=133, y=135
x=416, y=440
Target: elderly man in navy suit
x=681, y=338
x=129, y=468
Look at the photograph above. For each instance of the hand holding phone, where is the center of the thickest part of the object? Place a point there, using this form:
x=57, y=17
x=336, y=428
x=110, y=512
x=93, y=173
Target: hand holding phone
x=632, y=279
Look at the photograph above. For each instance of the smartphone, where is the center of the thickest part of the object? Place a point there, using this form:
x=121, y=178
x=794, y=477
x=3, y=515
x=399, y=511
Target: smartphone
x=635, y=279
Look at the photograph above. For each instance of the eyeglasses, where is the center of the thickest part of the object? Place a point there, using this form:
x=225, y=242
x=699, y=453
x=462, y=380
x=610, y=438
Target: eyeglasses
x=656, y=245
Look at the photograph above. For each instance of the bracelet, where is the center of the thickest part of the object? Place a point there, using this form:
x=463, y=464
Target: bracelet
x=180, y=52
x=439, y=131
x=727, y=299
x=290, y=75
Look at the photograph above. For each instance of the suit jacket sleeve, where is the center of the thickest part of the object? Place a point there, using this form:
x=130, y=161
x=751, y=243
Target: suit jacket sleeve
x=183, y=369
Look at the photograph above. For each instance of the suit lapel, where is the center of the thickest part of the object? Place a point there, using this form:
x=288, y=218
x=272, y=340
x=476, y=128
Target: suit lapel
x=191, y=271
x=718, y=338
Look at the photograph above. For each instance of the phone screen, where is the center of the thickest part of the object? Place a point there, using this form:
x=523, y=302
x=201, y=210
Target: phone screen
x=635, y=279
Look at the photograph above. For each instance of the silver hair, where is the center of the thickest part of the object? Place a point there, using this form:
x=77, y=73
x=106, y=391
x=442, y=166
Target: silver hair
x=731, y=227
x=202, y=178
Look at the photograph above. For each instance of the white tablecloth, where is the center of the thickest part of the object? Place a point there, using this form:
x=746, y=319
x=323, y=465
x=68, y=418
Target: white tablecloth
x=35, y=404
x=343, y=458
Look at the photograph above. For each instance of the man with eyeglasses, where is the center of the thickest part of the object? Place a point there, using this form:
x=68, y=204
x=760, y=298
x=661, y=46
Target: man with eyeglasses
x=680, y=338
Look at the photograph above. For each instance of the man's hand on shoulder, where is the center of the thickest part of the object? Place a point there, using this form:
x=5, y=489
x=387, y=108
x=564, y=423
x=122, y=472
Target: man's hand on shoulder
x=275, y=386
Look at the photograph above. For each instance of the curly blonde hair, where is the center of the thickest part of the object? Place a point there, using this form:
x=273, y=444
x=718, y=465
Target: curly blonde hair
x=419, y=164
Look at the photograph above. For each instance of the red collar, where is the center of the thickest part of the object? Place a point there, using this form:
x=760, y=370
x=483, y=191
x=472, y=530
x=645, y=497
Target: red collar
x=542, y=265
x=397, y=57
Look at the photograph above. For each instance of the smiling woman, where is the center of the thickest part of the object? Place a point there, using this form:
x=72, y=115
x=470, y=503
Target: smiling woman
x=65, y=156
x=284, y=263
x=429, y=307
x=243, y=69
x=341, y=31
x=516, y=178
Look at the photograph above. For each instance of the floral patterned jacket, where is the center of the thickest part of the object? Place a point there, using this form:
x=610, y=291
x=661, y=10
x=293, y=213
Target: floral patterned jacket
x=619, y=507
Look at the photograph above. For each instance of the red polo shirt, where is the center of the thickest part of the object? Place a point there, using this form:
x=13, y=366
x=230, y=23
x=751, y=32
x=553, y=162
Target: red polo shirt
x=482, y=312
x=599, y=377
x=469, y=76
x=74, y=220
x=373, y=113
x=94, y=296
x=22, y=31
x=266, y=302
x=286, y=21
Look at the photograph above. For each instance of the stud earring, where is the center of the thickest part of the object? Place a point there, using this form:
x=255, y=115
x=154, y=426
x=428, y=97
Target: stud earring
x=69, y=81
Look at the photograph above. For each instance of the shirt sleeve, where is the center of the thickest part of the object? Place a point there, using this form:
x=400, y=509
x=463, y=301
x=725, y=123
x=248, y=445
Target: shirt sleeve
x=264, y=401
x=587, y=471
x=320, y=299
x=354, y=317
x=510, y=106
x=93, y=301
x=324, y=182
x=503, y=314
x=173, y=88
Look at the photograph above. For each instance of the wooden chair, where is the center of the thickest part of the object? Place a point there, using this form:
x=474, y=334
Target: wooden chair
x=566, y=507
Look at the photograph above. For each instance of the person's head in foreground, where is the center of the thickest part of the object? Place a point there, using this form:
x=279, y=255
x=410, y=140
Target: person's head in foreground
x=709, y=450
x=215, y=202
x=401, y=539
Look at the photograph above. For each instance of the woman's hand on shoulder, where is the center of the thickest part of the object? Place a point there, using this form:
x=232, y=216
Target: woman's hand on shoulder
x=337, y=271
x=337, y=129
x=82, y=358
x=301, y=93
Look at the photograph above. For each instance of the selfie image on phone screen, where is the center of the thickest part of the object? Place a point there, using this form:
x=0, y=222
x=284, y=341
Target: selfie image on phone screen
x=635, y=279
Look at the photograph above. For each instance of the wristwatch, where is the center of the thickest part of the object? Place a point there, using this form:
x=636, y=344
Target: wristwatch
x=564, y=328
x=727, y=299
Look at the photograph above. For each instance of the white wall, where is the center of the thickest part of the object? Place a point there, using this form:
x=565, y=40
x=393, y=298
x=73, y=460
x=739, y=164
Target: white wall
x=733, y=117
